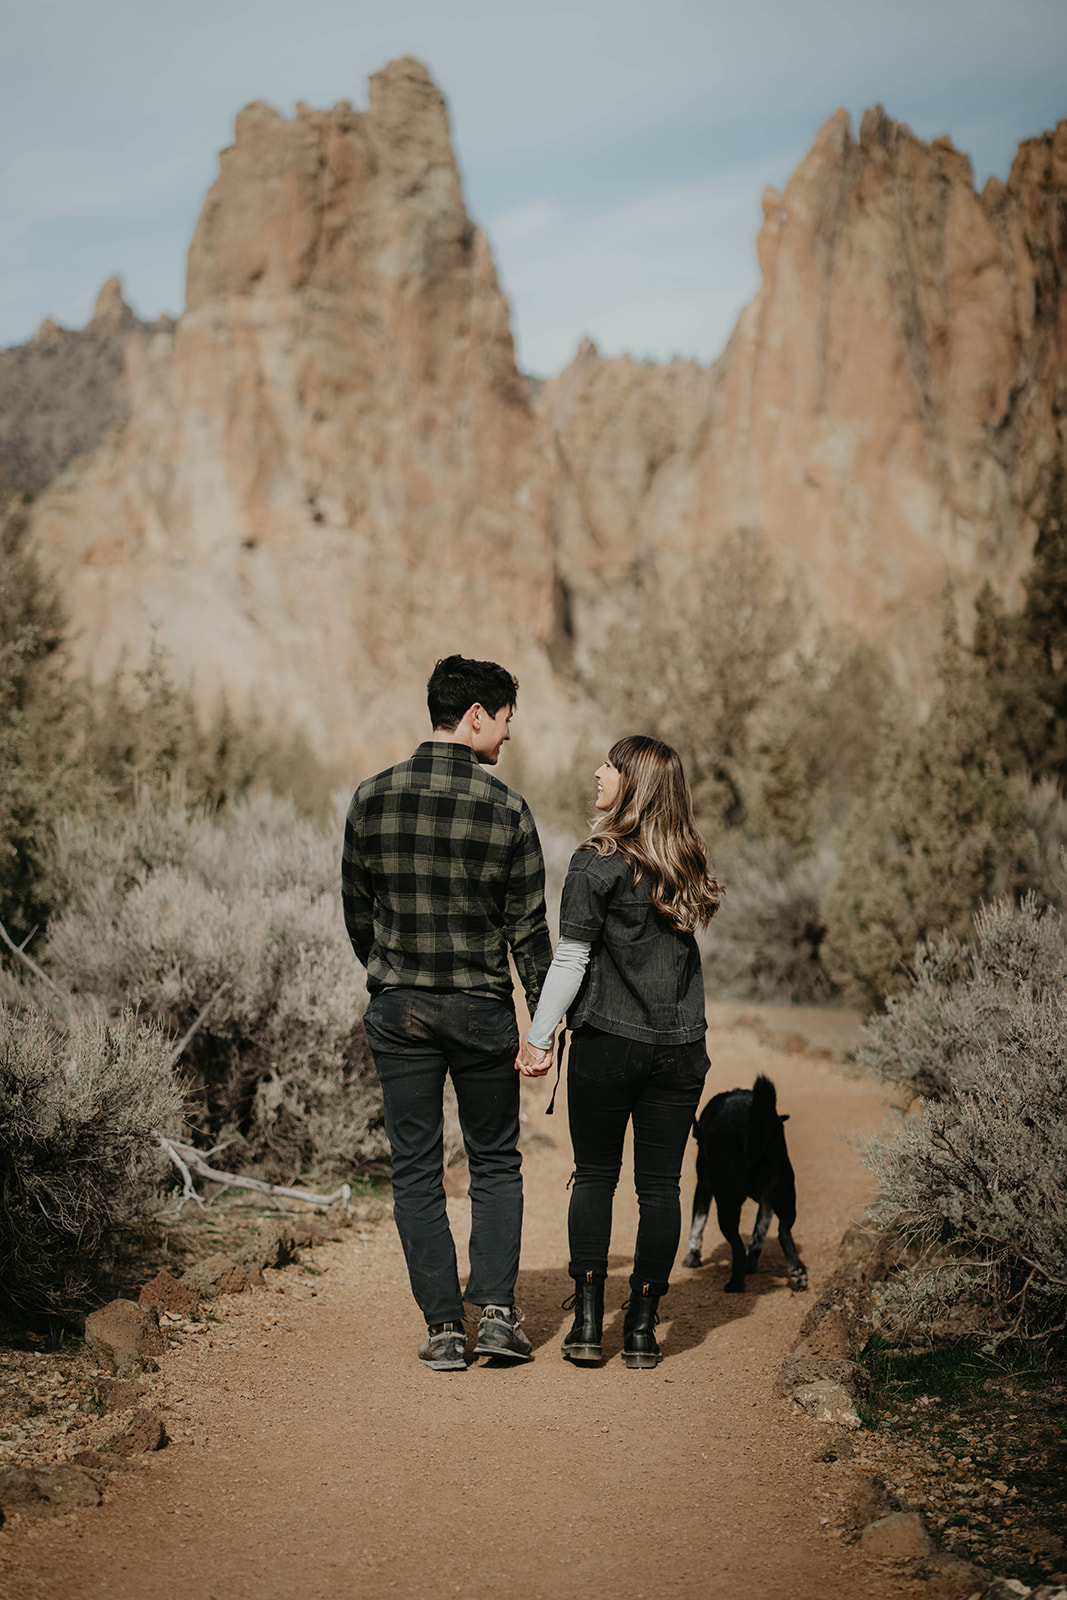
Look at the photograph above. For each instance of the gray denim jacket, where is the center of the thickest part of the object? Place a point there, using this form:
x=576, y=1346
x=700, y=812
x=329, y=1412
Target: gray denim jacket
x=644, y=979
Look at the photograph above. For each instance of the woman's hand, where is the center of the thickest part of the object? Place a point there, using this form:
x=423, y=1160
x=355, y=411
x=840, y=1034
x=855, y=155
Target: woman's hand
x=532, y=1062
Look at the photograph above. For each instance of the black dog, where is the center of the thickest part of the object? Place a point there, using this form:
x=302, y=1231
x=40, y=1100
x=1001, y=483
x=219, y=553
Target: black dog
x=741, y=1155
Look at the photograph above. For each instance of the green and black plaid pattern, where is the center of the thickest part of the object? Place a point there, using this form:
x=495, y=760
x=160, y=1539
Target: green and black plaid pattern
x=442, y=872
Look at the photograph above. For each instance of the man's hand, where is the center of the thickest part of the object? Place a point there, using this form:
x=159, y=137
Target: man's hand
x=531, y=1062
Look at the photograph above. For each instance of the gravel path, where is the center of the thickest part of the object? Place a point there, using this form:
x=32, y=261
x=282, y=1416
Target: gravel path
x=313, y=1458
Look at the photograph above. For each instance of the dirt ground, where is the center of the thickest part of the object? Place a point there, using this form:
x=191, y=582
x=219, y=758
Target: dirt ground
x=313, y=1458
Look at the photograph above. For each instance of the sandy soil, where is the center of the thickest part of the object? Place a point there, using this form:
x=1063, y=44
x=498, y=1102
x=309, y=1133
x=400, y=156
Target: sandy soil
x=313, y=1458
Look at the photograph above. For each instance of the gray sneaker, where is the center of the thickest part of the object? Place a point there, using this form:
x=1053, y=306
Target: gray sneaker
x=500, y=1334
x=445, y=1347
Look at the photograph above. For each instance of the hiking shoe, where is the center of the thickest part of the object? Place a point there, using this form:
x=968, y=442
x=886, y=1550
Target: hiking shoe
x=500, y=1334
x=445, y=1347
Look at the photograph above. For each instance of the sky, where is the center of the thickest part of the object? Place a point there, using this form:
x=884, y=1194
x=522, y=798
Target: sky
x=614, y=151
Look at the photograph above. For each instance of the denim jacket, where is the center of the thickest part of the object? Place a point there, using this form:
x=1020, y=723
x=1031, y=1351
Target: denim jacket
x=644, y=979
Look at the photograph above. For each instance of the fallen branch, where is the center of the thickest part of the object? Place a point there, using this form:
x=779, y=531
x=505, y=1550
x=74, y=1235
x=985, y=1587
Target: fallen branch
x=64, y=1000
x=188, y=1186
x=179, y=1049
x=185, y=1157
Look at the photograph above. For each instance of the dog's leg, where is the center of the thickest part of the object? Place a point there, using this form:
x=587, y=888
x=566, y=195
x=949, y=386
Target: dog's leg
x=729, y=1214
x=701, y=1207
x=787, y=1215
x=759, y=1233
x=798, y=1272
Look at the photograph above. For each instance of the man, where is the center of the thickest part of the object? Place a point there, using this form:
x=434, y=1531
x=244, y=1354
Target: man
x=442, y=872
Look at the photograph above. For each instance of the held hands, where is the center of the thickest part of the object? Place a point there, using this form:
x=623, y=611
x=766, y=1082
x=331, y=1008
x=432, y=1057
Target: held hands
x=531, y=1062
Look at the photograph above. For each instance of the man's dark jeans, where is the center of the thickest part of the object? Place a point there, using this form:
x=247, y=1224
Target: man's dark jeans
x=417, y=1036
x=611, y=1080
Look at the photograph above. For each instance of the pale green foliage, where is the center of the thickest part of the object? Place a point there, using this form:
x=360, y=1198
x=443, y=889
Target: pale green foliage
x=166, y=909
x=978, y=1182
x=78, y=1114
x=942, y=832
x=963, y=999
x=975, y=1178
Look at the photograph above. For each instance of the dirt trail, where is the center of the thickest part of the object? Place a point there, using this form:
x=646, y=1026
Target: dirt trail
x=314, y=1459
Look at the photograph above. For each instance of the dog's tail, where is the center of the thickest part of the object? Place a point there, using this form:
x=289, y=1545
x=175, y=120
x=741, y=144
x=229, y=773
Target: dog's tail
x=763, y=1121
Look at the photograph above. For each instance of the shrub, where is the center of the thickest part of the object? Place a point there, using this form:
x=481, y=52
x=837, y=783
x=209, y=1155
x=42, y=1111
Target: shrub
x=962, y=1003
x=77, y=1116
x=942, y=833
x=765, y=942
x=164, y=911
x=976, y=1178
x=815, y=741
x=31, y=711
x=143, y=733
x=747, y=619
x=978, y=1183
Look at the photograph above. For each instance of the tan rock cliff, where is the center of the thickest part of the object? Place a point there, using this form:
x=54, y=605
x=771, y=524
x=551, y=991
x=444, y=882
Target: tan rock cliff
x=886, y=408
x=331, y=471
x=329, y=475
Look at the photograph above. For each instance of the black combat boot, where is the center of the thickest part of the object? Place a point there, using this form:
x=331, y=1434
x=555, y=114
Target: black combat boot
x=583, y=1342
x=639, y=1347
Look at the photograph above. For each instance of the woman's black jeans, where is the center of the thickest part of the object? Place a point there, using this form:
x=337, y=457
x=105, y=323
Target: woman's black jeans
x=417, y=1038
x=611, y=1080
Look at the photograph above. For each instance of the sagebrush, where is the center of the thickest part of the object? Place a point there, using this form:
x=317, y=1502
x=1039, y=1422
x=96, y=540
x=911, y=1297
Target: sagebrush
x=964, y=999
x=174, y=905
x=79, y=1112
x=975, y=1177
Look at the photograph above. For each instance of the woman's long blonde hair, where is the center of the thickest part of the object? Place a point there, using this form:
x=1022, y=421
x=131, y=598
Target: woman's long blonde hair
x=651, y=826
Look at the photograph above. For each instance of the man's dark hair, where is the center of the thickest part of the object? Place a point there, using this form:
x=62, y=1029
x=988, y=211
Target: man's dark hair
x=456, y=684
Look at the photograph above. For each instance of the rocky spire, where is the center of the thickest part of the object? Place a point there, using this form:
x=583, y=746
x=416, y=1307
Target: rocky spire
x=111, y=314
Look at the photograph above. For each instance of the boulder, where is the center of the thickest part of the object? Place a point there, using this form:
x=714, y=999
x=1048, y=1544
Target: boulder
x=117, y=1394
x=273, y=1245
x=219, y=1274
x=100, y=1462
x=868, y=1501
x=45, y=1492
x=167, y=1293
x=949, y=1577
x=145, y=1432
x=124, y=1337
x=837, y=1448
x=800, y=1369
x=899, y=1535
x=826, y=1401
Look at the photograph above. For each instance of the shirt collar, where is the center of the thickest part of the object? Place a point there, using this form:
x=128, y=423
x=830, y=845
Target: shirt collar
x=447, y=750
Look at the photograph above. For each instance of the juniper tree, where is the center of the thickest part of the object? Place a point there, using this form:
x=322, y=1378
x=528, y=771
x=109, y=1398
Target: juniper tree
x=942, y=832
x=1024, y=656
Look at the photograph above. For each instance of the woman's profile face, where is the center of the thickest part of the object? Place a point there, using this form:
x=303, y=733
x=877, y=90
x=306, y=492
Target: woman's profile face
x=608, y=779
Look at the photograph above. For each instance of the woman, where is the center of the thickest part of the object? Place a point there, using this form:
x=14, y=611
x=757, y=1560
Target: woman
x=627, y=970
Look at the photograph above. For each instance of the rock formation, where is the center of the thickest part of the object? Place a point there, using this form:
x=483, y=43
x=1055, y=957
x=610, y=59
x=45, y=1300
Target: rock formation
x=330, y=471
x=329, y=475
x=61, y=393
x=886, y=408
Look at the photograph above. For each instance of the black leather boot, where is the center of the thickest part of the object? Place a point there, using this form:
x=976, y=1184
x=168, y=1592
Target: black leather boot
x=639, y=1347
x=583, y=1343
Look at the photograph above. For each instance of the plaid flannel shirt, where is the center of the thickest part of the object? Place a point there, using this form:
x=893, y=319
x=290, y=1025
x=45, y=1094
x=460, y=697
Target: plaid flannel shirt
x=442, y=871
